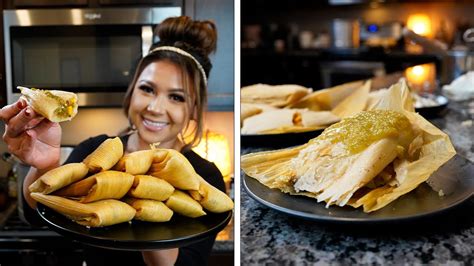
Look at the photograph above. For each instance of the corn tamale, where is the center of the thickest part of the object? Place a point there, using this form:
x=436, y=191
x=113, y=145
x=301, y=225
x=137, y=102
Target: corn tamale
x=104, y=185
x=55, y=105
x=95, y=214
x=59, y=177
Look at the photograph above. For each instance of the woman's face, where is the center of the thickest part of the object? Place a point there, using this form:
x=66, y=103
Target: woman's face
x=159, y=104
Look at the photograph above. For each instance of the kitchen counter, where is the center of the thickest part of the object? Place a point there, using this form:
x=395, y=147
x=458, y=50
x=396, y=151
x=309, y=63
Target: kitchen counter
x=271, y=237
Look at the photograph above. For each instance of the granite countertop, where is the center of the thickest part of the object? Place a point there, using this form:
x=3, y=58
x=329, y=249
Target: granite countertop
x=271, y=237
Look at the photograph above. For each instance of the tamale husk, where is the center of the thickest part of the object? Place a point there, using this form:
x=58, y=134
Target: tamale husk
x=292, y=129
x=211, y=198
x=135, y=163
x=320, y=118
x=104, y=185
x=95, y=214
x=59, y=177
x=184, y=204
x=150, y=187
x=105, y=156
x=365, y=167
x=274, y=95
x=327, y=99
x=150, y=210
x=251, y=109
x=48, y=106
x=268, y=120
x=171, y=166
x=354, y=103
x=248, y=110
x=272, y=168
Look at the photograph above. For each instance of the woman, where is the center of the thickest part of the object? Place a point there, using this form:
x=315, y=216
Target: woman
x=164, y=102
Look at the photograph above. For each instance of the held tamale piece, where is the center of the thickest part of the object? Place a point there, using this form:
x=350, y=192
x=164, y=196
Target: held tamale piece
x=59, y=177
x=183, y=204
x=105, y=156
x=95, y=214
x=150, y=187
x=150, y=210
x=135, y=163
x=366, y=160
x=211, y=198
x=171, y=166
x=103, y=185
x=56, y=106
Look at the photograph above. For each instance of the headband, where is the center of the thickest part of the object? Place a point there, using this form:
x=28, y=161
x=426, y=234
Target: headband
x=182, y=52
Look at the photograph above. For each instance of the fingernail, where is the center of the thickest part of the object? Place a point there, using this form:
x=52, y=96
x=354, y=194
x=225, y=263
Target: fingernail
x=28, y=112
x=19, y=104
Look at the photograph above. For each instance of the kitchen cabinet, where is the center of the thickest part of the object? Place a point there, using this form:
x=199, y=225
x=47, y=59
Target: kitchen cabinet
x=221, y=81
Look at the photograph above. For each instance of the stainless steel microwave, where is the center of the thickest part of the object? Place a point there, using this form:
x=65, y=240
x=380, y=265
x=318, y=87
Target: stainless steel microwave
x=92, y=52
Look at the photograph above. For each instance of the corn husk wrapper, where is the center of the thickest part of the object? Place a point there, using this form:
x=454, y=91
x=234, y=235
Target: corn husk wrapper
x=171, y=166
x=105, y=156
x=150, y=187
x=250, y=109
x=318, y=119
x=274, y=169
x=184, y=204
x=61, y=107
x=274, y=95
x=286, y=121
x=211, y=198
x=150, y=210
x=354, y=103
x=135, y=163
x=327, y=99
x=103, y=185
x=95, y=214
x=59, y=177
x=269, y=120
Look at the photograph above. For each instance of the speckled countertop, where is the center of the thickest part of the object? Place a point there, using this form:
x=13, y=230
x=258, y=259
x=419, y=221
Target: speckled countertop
x=269, y=237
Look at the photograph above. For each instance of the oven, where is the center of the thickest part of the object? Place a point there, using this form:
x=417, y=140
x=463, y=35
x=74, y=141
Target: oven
x=92, y=52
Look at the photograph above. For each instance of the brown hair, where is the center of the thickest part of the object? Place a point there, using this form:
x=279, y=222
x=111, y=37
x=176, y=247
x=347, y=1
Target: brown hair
x=199, y=39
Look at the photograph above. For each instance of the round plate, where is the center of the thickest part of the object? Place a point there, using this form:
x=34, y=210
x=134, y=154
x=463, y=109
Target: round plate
x=138, y=235
x=435, y=110
x=279, y=140
x=458, y=179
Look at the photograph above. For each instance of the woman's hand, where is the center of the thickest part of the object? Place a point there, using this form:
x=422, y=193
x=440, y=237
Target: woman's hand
x=33, y=139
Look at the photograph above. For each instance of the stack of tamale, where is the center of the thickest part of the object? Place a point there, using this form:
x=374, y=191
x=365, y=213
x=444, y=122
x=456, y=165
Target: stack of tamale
x=108, y=188
x=267, y=109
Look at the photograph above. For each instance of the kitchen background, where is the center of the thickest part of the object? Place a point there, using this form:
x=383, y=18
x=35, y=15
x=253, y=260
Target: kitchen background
x=108, y=118
x=287, y=43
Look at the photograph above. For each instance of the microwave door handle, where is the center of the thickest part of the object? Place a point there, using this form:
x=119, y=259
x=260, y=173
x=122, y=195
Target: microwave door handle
x=147, y=39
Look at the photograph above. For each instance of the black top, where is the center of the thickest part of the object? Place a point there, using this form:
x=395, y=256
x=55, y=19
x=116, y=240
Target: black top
x=194, y=254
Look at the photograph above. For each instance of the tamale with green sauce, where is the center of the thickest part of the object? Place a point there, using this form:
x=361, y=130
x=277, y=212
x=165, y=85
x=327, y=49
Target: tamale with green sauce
x=55, y=105
x=368, y=160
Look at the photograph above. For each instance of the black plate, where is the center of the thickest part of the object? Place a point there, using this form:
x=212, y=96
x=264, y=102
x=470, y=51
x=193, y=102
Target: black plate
x=434, y=111
x=137, y=235
x=278, y=140
x=458, y=176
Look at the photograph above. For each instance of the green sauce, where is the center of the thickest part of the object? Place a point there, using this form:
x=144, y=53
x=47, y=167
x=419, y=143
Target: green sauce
x=361, y=130
x=65, y=107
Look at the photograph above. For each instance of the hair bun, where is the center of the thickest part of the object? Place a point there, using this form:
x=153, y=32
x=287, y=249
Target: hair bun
x=183, y=32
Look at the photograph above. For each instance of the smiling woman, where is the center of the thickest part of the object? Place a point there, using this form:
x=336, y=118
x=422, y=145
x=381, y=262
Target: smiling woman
x=164, y=104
